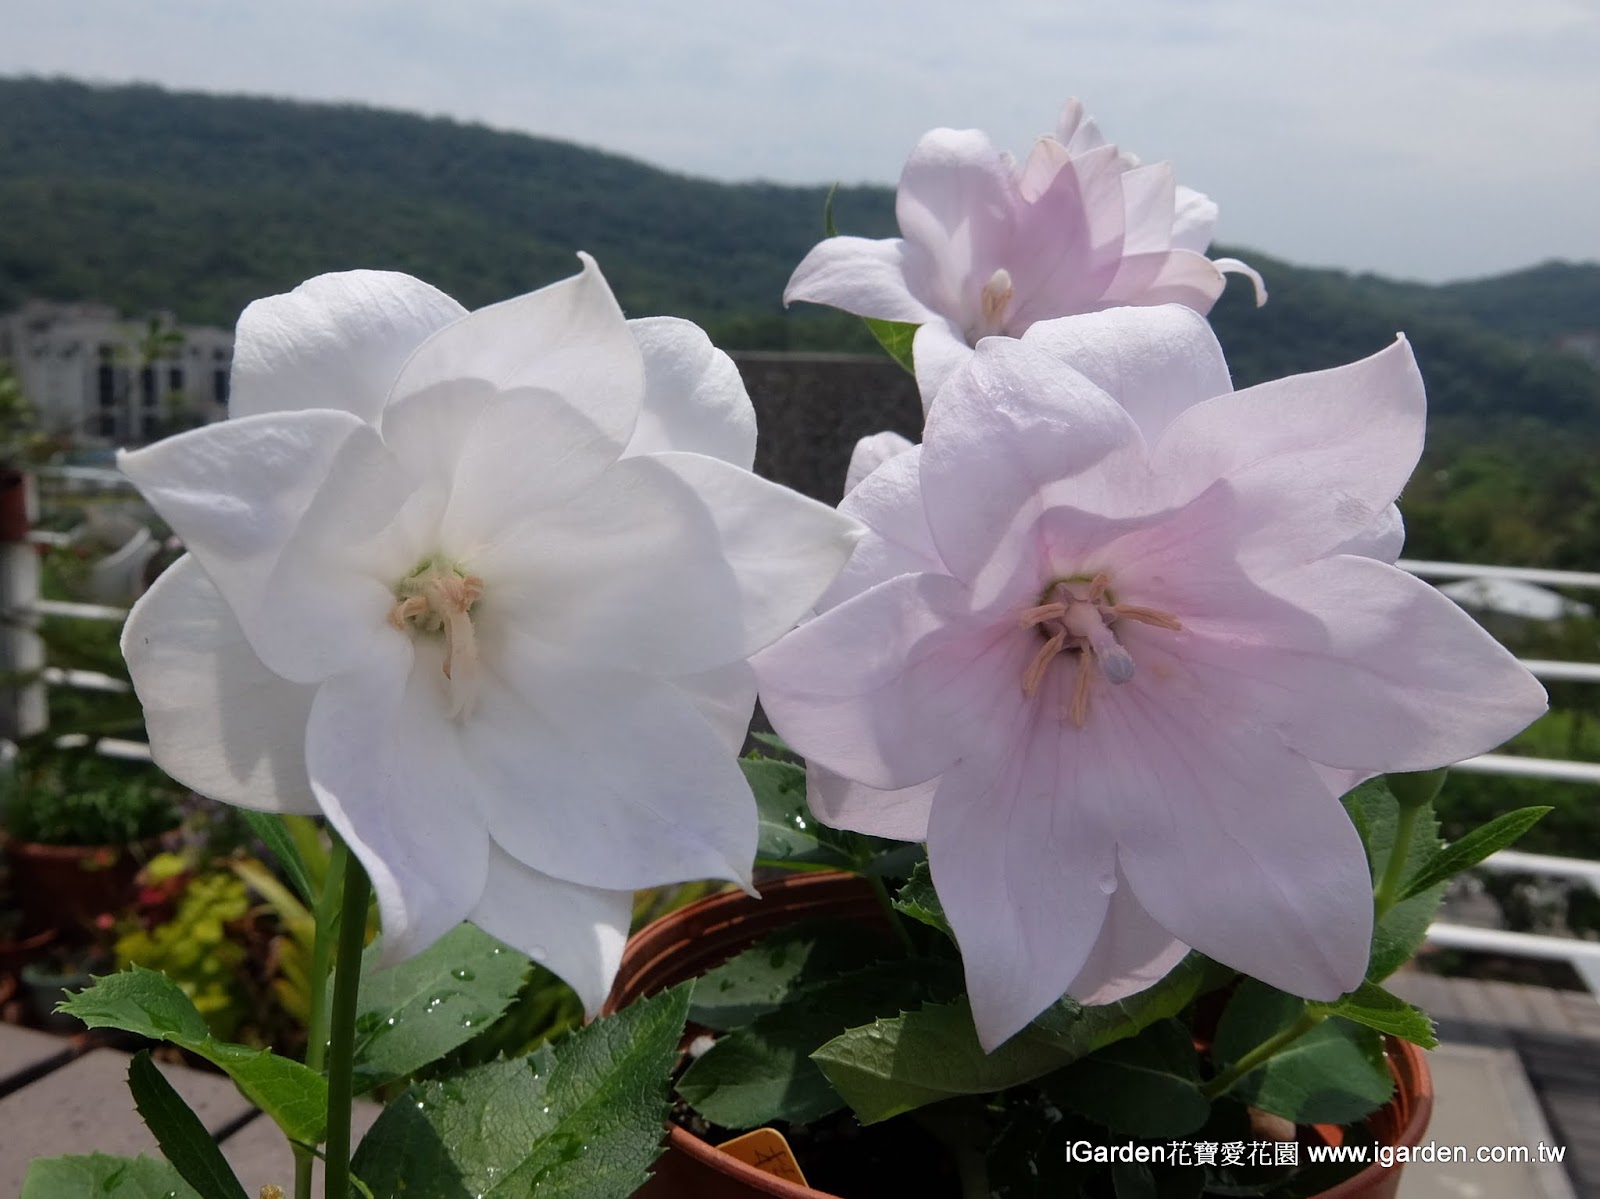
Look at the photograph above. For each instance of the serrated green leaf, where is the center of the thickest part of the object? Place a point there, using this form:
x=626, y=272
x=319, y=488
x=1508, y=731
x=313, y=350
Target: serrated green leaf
x=895, y=337
x=578, y=1119
x=419, y=1010
x=1333, y=1074
x=269, y=829
x=918, y=900
x=150, y=1004
x=182, y=1137
x=1398, y=935
x=896, y=1065
x=1473, y=848
x=764, y=977
x=1377, y=1008
x=102, y=1175
x=763, y=1072
x=787, y=834
x=1147, y=1085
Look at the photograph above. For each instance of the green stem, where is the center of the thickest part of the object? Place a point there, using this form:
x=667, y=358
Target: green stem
x=1388, y=888
x=1262, y=1053
x=891, y=913
x=326, y=918
x=342, y=1027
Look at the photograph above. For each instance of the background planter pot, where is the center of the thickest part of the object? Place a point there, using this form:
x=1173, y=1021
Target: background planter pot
x=66, y=886
x=686, y=943
x=17, y=953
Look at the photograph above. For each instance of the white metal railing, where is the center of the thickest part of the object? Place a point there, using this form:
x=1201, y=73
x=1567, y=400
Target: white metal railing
x=1582, y=955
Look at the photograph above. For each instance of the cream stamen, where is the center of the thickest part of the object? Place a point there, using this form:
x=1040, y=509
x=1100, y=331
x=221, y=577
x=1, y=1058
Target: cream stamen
x=994, y=303
x=440, y=600
x=1080, y=618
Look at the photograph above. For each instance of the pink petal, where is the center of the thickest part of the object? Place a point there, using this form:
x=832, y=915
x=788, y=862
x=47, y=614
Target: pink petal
x=1025, y=866
x=888, y=503
x=1011, y=424
x=868, y=278
x=1314, y=459
x=843, y=803
x=1229, y=838
x=1374, y=671
x=1383, y=539
x=1195, y=220
x=1149, y=198
x=1132, y=952
x=1166, y=277
x=892, y=685
x=871, y=453
x=1232, y=266
x=1155, y=362
x=938, y=351
x=1068, y=244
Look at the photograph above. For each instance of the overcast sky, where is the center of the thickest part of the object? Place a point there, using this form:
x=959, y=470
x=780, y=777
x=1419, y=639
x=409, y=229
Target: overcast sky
x=1427, y=139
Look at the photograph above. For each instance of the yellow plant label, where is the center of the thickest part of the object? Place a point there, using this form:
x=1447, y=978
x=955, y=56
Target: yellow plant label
x=767, y=1151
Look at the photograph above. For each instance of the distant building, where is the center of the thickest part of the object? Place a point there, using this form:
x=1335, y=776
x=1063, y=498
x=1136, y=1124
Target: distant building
x=95, y=375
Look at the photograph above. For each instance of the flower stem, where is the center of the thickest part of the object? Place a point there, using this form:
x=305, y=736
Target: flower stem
x=1387, y=892
x=891, y=913
x=1263, y=1053
x=342, y=1026
x=326, y=917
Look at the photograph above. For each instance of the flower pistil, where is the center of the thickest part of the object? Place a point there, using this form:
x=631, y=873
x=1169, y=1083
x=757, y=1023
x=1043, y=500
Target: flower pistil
x=1077, y=614
x=437, y=598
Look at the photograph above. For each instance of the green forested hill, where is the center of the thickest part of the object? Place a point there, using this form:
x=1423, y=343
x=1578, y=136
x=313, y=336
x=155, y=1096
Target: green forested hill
x=150, y=199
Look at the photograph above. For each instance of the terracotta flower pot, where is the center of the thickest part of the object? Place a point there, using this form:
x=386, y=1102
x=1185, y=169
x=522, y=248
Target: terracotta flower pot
x=686, y=943
x=15, y=954
x=65, y=887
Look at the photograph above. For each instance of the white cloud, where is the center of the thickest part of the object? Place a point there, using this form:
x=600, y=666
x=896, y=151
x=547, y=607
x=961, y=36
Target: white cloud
x=1408, y=136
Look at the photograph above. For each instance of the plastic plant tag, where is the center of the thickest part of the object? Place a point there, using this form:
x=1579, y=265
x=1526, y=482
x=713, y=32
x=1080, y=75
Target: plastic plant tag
x=767, y=1151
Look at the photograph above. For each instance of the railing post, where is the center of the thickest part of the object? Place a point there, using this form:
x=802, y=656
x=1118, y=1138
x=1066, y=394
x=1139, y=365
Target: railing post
x=24, y=709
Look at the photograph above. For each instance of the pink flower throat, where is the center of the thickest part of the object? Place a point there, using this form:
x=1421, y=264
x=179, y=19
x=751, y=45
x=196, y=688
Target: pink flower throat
x=1076, y=615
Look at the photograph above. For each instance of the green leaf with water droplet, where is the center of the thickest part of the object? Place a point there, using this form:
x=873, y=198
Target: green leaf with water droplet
x=777, y=969
x=417, y=1011
x=102, y=1174
x=150, y=1004
x=787, y=833
x=580, y=1119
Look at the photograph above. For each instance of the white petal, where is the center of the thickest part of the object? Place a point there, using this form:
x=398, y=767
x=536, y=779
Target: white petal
x=673, y=564
x=900, y=815
x=694, y=399
x=218, y=720
x=1232, y=266
x=1383, y=539
x=386, y=766
x=871, y=453
x=1195, y=220
x=607, y=779
x=277, y=508
x=569, y=338
x=577, y=932
x=938, y=351
x=725, y=697
x=336, y=341
x=865, y=277
x=1150, y=197
x=1155, y=361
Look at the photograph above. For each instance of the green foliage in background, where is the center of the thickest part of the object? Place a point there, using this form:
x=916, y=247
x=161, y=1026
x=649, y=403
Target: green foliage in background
x=75, y=798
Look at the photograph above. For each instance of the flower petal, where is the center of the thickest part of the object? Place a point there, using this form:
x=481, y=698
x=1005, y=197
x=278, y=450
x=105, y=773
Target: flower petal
x=1229, y=839
x=218, y=720
x=1194, y=220
x=725, y=697
x=1149, y=196
x=1378, y=672
x=888, y=502
x=1132, y=952
x=277, y=509
x=891, y=686
x=336, y=341
x=569, y=338
x=607, y=779
x=387, y=767
x=1155, y=361
x=1007, y=427
x=1167, y=277
x=1232, y=266
x=1383, y=539
x=1313, y=458
x=1024, y=865
x=724, y=559
x=859, y=275
x=577, y=932
x=900, y=815
x=938, y=350
x=694, y=399
x=956, y=204
x=871, y=453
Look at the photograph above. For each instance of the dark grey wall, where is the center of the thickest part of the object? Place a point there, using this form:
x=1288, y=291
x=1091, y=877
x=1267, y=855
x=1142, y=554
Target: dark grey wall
x=811, y=409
